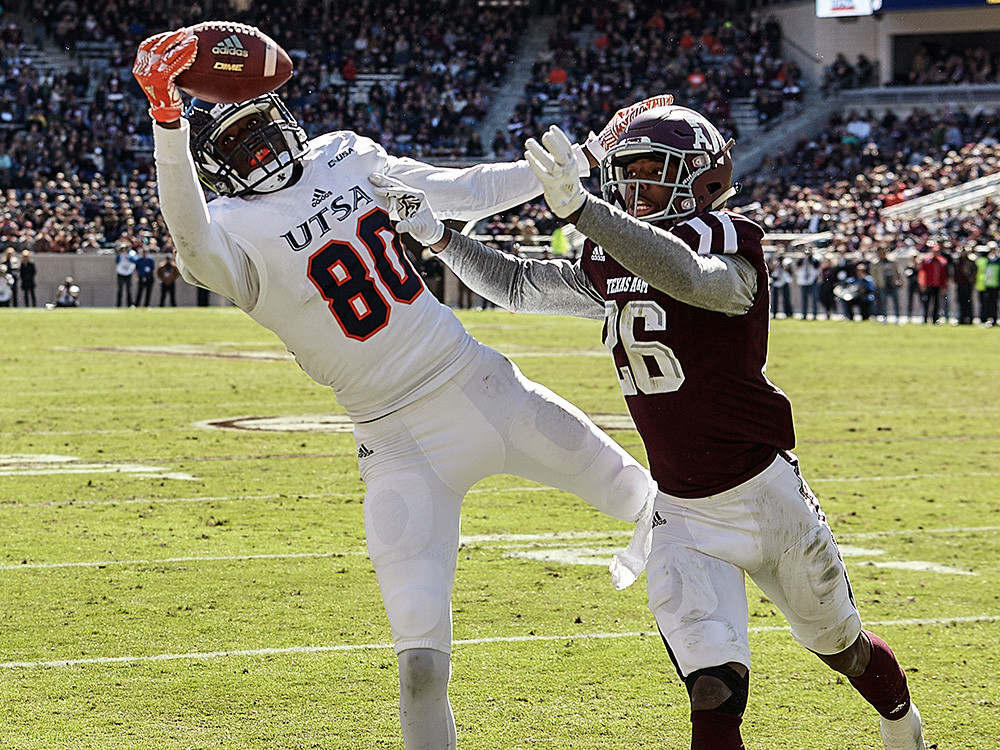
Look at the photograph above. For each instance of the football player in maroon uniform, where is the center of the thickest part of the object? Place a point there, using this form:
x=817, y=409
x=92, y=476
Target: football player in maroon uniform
x=682, y=285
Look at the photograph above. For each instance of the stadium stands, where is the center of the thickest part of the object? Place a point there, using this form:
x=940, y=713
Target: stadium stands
x=434, y=80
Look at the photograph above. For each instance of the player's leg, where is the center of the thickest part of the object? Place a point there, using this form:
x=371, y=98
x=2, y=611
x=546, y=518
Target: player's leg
x=418, y=464
x=548, y=440
x=412, y=530
x=808, y=582
x=699, y=602
x=425, y=714
x=875, y=673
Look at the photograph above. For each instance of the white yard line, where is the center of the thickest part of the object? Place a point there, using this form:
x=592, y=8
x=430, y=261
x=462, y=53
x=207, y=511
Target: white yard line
x=293, y=650
x=538, y=546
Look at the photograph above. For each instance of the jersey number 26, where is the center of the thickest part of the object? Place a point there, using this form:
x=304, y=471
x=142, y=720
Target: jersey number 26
x=638, y=375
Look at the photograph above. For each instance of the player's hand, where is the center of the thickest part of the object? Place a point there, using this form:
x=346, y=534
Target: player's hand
x=408, y=208
x=554, y=165
x=599, y=144
x=158, y=62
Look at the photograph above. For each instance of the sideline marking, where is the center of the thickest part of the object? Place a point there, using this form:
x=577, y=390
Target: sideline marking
x=46, y=464
x=548, y=547
x=602, y=555
x=171, y=560
x=468, y=642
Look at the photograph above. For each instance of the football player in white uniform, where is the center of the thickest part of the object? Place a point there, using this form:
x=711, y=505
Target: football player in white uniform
x=300, y=241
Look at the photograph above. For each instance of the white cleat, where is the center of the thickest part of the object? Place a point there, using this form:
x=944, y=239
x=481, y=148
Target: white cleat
x=904, y=734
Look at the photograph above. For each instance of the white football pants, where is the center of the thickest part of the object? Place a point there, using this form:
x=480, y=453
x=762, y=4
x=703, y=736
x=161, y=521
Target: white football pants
x=770, y=527
x=419, y=462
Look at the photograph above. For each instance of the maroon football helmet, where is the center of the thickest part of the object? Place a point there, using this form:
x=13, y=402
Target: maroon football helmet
x=697, y=166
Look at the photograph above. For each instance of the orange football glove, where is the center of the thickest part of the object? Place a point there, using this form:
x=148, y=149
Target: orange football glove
x=159, y=60
x=599, y=144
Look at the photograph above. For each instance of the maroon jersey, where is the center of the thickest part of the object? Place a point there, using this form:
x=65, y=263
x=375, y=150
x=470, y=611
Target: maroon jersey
x=693, y=379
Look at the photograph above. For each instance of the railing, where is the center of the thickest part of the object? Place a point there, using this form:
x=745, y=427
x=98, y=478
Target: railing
x=909, y=97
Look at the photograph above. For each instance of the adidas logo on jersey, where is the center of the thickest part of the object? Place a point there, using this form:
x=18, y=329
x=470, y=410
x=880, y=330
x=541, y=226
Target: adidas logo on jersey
x=597, y=254
x=364, y=451
x=319, y=196
x=231, y=45
x=658, y=520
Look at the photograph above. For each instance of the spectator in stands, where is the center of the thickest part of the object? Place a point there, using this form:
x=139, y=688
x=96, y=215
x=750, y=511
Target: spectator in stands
x=781, y=287
x=807, y=279
x=828, y=271
x=861, y=294
x=888, y=278
x=28, y=274
x=988, y=280
x=125, y=261
x=12, y=262
x=68, y=294
x=167, y=273
x=912, y=277
x=932, y=276
x=965, y=270
x=6, y=286
x=145, y=267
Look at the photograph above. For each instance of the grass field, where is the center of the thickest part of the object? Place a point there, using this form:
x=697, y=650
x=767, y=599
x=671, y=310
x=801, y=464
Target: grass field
x=167, y=584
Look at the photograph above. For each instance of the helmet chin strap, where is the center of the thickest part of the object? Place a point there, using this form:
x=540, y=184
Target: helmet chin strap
x=721, y=200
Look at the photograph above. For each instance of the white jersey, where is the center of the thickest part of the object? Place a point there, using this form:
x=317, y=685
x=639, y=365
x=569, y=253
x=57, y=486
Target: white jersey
x=319, y=264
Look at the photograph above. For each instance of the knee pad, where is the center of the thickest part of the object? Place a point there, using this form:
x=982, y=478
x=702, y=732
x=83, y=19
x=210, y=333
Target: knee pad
x=423, y=671
x=739, y=685
x=630, y=490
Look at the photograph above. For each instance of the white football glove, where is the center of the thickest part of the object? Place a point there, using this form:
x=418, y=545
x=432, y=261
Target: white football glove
x=554, y=165
x=408, y=208
x=598, y=145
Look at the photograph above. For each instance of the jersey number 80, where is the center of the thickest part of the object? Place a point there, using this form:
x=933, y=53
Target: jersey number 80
x=341, y=275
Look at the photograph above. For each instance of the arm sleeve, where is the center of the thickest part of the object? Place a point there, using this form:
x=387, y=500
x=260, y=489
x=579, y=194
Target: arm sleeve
x=474, y=192
x=207, y=255
x=721, y=283
x=554, y=287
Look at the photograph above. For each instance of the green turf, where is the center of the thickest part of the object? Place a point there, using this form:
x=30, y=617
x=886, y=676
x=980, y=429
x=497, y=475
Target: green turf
x=236, y=608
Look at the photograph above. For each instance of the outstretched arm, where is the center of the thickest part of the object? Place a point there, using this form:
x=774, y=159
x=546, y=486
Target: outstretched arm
x=207, y=255
x=556, y=287
x=474, y=192
x=713, y=282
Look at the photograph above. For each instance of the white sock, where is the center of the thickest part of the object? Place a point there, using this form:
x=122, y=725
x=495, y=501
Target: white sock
x=906, y=732
x=425, y=714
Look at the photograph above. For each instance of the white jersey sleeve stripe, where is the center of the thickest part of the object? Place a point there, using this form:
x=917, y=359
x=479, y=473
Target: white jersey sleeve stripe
x=704, y=235
x=728, y=230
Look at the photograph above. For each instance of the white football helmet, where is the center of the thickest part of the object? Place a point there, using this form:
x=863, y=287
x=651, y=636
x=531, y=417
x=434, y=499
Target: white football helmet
x=262, y=162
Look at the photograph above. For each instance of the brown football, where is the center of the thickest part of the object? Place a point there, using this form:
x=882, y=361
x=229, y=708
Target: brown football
x=235, y=62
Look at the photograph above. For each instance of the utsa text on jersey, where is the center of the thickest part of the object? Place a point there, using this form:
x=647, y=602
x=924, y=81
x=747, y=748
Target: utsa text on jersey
x=300, y=237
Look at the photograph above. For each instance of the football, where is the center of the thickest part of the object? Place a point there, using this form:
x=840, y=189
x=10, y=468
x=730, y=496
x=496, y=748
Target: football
x=235, y=62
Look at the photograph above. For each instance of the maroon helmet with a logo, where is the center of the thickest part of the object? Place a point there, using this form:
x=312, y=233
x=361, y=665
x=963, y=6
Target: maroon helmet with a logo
x=697, y=166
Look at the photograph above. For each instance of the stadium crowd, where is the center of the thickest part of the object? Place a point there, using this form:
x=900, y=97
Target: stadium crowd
x=75, y=158
x=703, y=55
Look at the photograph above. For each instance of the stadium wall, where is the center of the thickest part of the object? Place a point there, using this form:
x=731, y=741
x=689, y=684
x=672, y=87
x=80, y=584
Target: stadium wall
x=95, y=275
